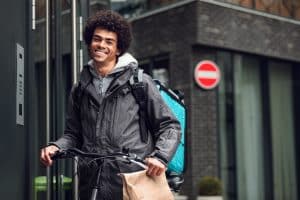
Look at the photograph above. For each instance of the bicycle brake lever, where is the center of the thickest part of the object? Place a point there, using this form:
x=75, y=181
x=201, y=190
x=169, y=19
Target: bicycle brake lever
x=125, y=150
x=137, y=160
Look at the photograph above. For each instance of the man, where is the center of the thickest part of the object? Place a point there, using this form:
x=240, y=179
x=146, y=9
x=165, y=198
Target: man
x=106, y=118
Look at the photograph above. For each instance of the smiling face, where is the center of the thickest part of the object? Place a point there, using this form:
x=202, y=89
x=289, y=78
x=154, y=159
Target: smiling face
x=103, y=48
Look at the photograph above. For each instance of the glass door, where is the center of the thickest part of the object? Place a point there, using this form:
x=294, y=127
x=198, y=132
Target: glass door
x=58, y=56
x=54, y=69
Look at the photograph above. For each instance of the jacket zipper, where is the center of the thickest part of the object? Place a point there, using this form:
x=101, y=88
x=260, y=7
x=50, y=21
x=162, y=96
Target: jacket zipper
x=99, y=119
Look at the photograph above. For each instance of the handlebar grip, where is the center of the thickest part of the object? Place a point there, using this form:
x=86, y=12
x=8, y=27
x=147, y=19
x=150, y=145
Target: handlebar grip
x=68, y=153
x=59, y=154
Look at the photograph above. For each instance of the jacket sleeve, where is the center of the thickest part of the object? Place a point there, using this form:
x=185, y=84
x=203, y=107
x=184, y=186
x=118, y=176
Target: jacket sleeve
x=165, y=126
x=72, y=134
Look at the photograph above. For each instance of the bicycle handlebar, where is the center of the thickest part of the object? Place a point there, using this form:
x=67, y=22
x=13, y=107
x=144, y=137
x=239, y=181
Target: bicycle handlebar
x=73, y=152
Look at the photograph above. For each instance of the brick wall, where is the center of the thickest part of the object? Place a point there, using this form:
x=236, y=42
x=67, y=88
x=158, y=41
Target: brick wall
x=246, y=32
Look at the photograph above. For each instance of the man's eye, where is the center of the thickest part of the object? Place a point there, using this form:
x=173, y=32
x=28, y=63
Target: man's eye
x=96, y=39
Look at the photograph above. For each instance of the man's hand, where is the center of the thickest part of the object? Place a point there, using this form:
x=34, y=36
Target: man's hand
x=155, y=167
x=46, y=154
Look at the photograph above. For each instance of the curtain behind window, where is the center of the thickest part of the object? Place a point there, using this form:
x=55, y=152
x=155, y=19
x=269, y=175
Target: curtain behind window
x=282, y=128
x=248, y=128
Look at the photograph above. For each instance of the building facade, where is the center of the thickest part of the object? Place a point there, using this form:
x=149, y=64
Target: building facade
x=245, y=130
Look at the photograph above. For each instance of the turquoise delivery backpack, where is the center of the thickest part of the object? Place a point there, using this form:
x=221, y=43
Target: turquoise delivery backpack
x=175, y=101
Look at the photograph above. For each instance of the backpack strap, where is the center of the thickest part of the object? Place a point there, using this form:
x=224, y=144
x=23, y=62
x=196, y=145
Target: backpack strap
x=139, y=93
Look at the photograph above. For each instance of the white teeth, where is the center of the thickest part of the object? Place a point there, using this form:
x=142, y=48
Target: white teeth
x=99, y=52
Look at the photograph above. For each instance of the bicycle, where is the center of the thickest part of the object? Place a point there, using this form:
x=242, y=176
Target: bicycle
x=124, y=156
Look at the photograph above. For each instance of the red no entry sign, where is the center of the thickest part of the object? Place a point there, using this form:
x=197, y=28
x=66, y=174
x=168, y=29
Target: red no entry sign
x=207, y=74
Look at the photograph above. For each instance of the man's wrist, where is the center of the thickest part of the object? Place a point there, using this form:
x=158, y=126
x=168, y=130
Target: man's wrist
x=157, y=156
x=53, y=144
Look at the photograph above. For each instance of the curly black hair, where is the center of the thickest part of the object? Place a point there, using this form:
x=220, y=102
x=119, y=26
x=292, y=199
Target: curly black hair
x=110, y=21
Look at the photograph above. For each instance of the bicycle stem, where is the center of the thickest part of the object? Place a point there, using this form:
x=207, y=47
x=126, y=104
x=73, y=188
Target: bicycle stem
x=97, y=185
x=94, y=193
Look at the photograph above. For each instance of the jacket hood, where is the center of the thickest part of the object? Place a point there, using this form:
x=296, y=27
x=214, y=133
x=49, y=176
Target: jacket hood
x=126, y=60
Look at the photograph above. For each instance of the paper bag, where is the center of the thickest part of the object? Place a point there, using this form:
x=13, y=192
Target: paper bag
x=140, y=186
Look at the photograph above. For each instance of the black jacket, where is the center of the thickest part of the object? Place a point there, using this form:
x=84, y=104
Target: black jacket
x=111, y=123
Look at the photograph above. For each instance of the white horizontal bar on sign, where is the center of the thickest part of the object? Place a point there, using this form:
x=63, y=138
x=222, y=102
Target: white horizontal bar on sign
x=207, y=74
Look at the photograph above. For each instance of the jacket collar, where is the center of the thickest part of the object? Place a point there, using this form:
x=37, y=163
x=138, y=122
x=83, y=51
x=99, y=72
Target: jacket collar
x=121, y=72
x=124, y=62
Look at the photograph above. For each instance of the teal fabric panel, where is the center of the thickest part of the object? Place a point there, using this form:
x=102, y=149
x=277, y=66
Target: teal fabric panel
x=177, y=162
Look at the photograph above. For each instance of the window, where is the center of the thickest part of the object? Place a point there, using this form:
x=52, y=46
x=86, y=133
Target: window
x=258, y=116
x=157, y=67
x=282, y=130
x=248, y=127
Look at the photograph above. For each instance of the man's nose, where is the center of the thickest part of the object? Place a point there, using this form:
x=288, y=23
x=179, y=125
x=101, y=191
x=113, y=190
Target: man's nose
x=102, y=43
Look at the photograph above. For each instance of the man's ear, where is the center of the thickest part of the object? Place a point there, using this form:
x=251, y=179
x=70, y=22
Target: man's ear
x=89, y=50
